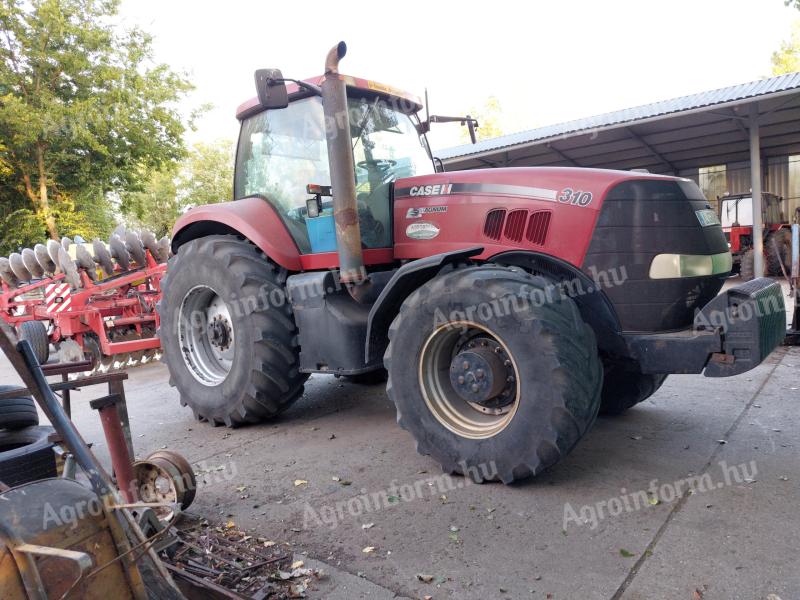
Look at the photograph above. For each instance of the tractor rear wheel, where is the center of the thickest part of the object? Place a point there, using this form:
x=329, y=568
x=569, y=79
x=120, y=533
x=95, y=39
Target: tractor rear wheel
x=625, y=386
x=228, y=333
x=493, y=372
x=778, y=252
x=36, y=334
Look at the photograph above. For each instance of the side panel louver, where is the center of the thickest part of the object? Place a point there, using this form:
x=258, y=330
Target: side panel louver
x=493, y=226
x=515, y=225
x=538, y=224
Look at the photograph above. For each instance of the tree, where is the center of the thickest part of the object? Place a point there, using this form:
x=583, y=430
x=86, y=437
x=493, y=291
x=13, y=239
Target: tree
x=489, y=118
x=787, y=58
x=83, y=110
x=206, y=176
x=156, y=206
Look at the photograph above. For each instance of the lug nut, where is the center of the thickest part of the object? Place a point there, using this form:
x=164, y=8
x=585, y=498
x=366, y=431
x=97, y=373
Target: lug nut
x=465, y=365
x=479, y=373
x=474, y=387
x=461, y=379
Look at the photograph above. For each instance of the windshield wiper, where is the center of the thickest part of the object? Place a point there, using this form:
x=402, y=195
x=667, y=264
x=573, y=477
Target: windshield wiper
x=363, y=123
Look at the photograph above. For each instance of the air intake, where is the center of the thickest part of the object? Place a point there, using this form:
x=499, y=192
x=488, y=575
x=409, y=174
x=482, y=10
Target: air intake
x=515, y=225
x=538, y=225
x=493, y=226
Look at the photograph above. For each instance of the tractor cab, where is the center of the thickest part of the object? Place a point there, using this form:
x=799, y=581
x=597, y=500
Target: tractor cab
x=282, y=157
x=737, y=210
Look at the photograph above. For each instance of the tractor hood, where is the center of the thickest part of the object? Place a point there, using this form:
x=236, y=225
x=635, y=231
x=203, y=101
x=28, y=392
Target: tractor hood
x=636, y=225
x=542, y=208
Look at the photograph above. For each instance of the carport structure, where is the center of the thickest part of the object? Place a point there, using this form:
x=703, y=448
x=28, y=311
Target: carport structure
x=728, y=131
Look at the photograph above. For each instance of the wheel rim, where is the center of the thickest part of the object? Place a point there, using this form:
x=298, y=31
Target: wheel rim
x=206, y=335
x=469, y=380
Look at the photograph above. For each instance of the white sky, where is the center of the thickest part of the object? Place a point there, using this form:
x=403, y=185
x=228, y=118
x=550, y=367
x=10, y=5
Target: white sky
x=545, y=61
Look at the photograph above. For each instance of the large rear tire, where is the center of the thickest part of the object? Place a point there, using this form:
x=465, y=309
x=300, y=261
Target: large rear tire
x=228, y=333
x=36, y=334
x=625, y=386
x=493, y=372
x=778, y=253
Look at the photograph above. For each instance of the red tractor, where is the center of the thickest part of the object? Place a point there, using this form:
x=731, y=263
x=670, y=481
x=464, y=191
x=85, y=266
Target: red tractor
x=509, y=306
x=736, y=216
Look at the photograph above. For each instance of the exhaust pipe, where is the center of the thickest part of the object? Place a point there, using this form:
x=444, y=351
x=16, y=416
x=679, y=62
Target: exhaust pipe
x=340, y=157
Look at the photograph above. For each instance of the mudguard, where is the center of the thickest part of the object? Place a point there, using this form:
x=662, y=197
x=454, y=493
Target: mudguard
x=253, y=218
x=407, y=279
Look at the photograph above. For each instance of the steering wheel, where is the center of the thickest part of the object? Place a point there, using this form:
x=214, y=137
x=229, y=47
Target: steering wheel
x=382, y=164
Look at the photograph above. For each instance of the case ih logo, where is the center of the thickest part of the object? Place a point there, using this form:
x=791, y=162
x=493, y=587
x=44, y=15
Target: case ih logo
x=57, y=297
x=430, y=190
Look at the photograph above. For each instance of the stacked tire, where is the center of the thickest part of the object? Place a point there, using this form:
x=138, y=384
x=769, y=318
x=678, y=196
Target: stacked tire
x=26, y=452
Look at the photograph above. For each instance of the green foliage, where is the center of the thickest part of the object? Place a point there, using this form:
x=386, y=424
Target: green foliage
x=489, y=118
x=205, y=176
x=787, y=58
x=84, y=112
x=795, y=3
x=156, y=205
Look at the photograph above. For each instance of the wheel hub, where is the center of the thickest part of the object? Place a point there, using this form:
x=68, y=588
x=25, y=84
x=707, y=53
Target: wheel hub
x=207, y=335
x=219, y=332
x=482, y=374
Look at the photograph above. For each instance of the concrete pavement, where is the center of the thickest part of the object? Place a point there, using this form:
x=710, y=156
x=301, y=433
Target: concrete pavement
x=335, y=476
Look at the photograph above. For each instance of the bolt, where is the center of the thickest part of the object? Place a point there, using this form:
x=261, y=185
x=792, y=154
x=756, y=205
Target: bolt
x=474, y=387
x=506, y=363
x=510, y=379
x=461, y=380
x=479, y=373
x=465, y=365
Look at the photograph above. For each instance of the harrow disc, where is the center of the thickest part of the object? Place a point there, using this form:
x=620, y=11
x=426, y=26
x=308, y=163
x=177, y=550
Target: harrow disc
x=120, y=253
x=67, y=265
x=164, y=249
x=85, y=261
x=52, y=250
x=103, y=257
x=33, y=266
x=134, y=246
x=6, y=274
x=149, y=242
x=119, y=231
x=18, y=267
x=66, y=243
x=43, y=258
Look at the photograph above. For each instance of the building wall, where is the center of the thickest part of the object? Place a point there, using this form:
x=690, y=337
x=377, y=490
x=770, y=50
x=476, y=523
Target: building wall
x=781, y=176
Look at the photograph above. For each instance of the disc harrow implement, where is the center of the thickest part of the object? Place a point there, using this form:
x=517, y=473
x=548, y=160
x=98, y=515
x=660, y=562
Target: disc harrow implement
x=100, y=296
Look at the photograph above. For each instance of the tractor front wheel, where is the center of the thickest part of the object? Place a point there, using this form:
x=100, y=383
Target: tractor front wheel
x=228, y=333
x=493, y=372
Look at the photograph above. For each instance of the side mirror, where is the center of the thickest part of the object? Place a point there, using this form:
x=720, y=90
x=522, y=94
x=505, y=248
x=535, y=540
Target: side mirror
x=271, y=88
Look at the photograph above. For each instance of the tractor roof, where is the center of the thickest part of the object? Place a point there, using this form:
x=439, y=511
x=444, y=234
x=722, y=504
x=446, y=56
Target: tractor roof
x=410, y=103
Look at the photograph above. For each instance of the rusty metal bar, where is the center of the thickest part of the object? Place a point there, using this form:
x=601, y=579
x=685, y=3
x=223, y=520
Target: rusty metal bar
x=117, y=445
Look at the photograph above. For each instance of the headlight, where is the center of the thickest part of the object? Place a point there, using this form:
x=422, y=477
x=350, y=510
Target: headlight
x=670, y=266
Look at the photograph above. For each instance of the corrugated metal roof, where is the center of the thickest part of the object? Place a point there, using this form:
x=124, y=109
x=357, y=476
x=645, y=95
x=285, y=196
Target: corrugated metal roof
x=743, y=91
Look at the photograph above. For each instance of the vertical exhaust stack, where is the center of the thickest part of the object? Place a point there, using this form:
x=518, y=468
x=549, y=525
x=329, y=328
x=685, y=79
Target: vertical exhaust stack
x=340, y=157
